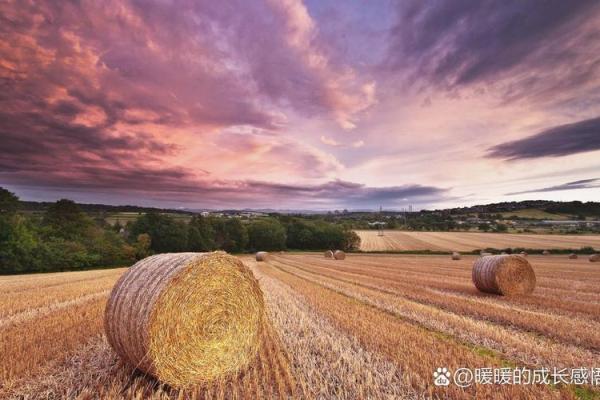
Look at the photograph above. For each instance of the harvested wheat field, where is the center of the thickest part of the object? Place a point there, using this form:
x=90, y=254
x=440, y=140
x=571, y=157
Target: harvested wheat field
x=469, y=241
x=370, y=326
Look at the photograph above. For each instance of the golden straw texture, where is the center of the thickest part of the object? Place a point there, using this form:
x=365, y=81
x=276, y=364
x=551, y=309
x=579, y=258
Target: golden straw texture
x=339, y=255
x=262, y=256
x=506, y=275
x=186, y=318
x=329, y=254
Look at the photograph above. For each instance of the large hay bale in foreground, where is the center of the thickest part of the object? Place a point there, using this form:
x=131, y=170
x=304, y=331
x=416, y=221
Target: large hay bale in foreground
x=573, y=256
x=186, y=318
x=595, y=258
x=328, y=254
x=339, y=255
x=506, y=275
x=456, y=256
x=262, y=256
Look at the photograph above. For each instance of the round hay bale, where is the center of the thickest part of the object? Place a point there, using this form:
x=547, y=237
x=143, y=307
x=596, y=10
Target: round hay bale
x=484, y=254
x=505, y=275
x=523, y=254
x=186, y=318
x=456, y=256
x=262, y=256
x=328, y=254
x=573, y=256
x=595, y=258
x=339, y=255
x=545, y=253
x=503, y=253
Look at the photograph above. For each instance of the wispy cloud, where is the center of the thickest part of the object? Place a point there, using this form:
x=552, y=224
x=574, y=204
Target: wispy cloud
x=562, y=140
x=334, y=143
x=521, y=49
x=580, y=184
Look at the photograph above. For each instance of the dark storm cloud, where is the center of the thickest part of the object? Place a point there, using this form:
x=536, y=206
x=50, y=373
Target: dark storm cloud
x=561, y=140
x=458, y=43
x=581, y=184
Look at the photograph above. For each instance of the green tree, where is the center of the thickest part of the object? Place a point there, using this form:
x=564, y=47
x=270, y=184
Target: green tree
x=142, y=246
x=483, y=227
x=66, y=220
x=167, y=234
x=266, y=235
x=351, y=241
x=501, y=228
x=20, y=247
x=9, y=202
x=230, y=235
x=319, y=235
x=201, y=235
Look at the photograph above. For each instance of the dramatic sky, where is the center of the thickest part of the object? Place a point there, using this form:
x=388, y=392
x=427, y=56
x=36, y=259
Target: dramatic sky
x=292, y=104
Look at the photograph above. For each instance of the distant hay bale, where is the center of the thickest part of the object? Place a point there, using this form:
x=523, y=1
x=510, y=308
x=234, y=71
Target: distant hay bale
x=262, y=256
x=485, y=254
x=523, y=254
x=503, y=253
x=186, y=318
x=456, y=256
x=505, y=275
x=573, y=256
x=339, y=255
x=545, y=253
x=595, y=258
x=328, y=254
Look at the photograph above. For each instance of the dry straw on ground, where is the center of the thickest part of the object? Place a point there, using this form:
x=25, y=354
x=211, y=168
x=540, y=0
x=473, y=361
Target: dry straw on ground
x=262, y=256
x=339, y=255
x=573, y=256
x=329, y=254
x=456, y=256
x=595, y=258
x=506, y=275
x=186, y=318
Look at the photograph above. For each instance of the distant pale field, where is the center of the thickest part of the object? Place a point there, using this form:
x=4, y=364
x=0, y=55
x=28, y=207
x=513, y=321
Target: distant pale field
x=468, y=241
x=371, y=326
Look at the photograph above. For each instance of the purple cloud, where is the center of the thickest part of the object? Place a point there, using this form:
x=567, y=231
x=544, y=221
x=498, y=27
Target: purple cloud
x=562, y=140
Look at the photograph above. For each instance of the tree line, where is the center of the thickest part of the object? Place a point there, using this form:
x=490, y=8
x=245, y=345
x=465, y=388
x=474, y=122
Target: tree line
x=63, y=237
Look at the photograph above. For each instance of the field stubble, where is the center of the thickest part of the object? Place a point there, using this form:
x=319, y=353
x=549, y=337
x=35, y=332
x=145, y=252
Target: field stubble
x=372, y=326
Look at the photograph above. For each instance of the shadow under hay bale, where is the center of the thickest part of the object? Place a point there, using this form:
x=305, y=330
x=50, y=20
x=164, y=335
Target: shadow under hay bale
x=505, y=275
x=328, y=254
x=456, y=256
x=262, y=256
x=339, y=255
x=186, y=318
